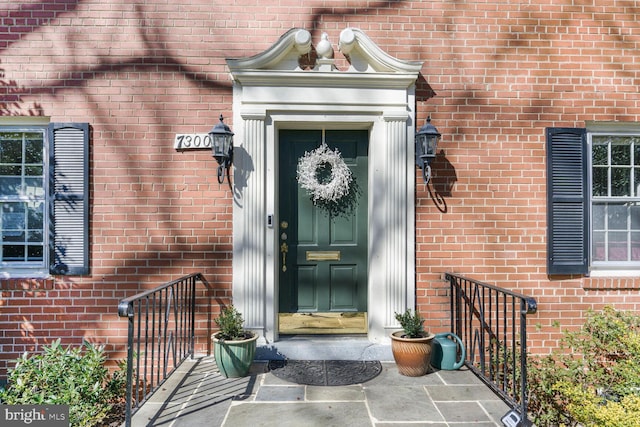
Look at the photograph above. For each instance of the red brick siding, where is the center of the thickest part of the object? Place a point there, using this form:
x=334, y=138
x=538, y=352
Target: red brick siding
x=495, y=76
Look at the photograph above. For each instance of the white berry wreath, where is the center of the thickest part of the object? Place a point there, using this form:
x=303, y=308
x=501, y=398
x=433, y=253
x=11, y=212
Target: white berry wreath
x=312, y=163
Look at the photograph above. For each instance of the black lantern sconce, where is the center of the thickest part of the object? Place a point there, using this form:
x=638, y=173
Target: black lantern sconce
x=426, y=143
x=222, y=147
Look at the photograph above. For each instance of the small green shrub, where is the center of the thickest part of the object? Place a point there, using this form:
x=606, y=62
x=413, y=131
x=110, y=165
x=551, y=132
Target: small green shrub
x=586, y=407
x=412, y=324
x=66, y=376
x=593, y=379
x=231, y=323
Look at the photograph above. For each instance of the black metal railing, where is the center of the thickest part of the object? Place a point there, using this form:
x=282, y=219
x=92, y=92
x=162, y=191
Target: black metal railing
x=492, y=323
x=161, y=335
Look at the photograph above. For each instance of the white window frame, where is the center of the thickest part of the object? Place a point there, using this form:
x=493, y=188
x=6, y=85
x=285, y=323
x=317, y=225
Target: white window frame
x=12, y=269
x=609, y=268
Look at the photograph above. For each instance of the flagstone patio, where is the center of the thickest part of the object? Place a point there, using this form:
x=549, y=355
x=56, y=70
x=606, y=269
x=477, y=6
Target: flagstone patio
x=197, y=395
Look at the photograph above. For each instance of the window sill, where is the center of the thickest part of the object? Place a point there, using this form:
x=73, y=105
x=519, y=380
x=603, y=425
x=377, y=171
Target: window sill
x=615, y=273
x=24, y=273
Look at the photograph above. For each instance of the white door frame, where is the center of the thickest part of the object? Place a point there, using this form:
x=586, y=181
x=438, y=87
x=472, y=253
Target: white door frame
x=271, y=92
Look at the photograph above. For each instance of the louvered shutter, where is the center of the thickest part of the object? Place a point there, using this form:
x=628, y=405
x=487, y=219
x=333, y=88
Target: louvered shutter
x=69, y=207
x=567, y=202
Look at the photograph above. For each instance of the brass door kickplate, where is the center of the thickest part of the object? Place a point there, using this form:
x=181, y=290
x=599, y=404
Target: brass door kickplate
x=322, y=323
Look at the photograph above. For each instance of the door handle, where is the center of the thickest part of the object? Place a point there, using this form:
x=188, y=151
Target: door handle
x=284, y=248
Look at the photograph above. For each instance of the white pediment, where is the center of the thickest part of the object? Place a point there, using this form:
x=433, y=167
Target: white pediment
x=366, y=56
x=294, y=48
x=282, y=55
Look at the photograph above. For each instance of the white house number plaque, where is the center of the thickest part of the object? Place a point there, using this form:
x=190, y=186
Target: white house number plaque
x=191, y=141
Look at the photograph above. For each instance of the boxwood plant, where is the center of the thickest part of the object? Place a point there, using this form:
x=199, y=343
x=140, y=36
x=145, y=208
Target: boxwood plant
x=67, y=376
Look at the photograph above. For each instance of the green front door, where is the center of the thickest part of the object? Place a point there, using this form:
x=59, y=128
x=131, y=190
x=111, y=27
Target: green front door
x=323, y=253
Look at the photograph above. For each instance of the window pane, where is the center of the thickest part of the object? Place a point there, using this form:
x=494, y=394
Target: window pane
x=34, y=236
x=598, y=251
x=36, y=216
x=600, y=182
x=13, y=236
x=636, y=184
x=621, y=154
x=598, y=217
x=635, y=246
x=620, y=181
x=636, y=153
x=33, y=148
x=10, y=149
x=617, y=217
x=35, y=253
x=618, y=246
x=13, y=216
x=32, y=170
x=10, y=170
x=634, y=210
x=34, y=187
x=12, y=253
x=10, y=186
x=22, y=229
x=600, y=154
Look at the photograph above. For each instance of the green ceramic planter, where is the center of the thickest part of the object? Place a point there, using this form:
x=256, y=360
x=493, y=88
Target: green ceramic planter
x=234, y=357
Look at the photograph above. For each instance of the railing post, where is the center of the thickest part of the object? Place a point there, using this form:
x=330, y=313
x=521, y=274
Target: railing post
x=523, y=360
x=126, y=309
x=192, y=348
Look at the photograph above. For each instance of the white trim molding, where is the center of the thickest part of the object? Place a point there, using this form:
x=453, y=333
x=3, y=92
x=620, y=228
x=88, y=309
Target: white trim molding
x=273, y=91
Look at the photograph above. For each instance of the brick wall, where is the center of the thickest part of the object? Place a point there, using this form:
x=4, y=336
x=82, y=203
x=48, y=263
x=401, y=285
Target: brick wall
x=495, y=76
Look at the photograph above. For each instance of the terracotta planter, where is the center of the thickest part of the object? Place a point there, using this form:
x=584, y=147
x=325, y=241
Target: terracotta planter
x=412, y=355
x=234, y=357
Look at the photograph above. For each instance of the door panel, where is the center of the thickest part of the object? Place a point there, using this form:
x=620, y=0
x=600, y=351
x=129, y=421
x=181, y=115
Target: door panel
x=323, y=265
x=307, y=223
x=344, y=232
x=307, y=279
x=344, y=296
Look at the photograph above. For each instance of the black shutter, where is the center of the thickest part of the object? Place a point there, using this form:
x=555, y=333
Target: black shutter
x=69, y=191
x=567, y=202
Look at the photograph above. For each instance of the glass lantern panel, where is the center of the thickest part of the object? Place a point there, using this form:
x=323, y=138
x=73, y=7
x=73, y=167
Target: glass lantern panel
x=431, y=145
x=220, y=145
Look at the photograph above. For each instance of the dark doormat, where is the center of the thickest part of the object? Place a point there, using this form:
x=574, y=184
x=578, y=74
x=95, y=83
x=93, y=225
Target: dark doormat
x=326, y=372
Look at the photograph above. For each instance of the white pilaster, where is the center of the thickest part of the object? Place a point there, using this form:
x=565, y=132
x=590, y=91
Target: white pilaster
x=249, y=224
x=390, y=289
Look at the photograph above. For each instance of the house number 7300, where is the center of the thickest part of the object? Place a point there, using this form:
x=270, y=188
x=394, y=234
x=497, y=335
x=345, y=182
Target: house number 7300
x=191, y=141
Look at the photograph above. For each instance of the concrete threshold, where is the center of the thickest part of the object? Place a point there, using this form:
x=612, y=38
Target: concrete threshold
x=318, y=347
